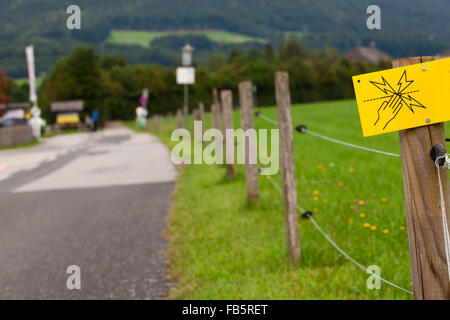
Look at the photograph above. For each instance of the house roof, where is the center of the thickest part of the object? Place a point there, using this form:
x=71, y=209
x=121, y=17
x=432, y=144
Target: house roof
x=368, y=54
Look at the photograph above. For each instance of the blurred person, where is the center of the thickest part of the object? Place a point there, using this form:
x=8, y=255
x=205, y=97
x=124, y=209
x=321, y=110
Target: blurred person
x=95, y=118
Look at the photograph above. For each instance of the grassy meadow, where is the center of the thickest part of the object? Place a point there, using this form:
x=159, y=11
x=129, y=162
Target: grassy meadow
x=221, y=247
x=143, y=38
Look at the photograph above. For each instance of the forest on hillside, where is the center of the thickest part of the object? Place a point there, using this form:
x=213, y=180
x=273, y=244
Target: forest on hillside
x=321, y=23
x=114, y=86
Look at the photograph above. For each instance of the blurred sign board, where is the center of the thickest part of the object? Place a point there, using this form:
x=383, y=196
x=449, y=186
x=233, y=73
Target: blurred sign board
x=403, y=98
x=66, y=106
x=67, y=118
x=185, y=75
x=15, y=105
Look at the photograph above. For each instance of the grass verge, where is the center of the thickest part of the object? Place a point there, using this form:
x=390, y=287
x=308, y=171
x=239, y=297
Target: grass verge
x=224, y=248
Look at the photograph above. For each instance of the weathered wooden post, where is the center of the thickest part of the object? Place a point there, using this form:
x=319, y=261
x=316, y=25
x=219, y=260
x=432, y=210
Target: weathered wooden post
x=423, y=205
x=179, y=119
x=156, y=122
x=215, y=112
x=283, y=99
x=201, y=114
x=247, y=122
x=226, y=97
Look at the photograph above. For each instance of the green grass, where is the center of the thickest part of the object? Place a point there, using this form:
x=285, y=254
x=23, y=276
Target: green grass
x=293, y=35
x=20, y=146
x=223, y=248
x=21, y=81
x=143, y=38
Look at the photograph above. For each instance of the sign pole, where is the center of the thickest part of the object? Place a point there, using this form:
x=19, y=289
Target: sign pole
x=423, y=205
x=185, y=105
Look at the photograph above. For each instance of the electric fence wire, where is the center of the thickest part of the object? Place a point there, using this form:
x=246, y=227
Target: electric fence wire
x=320, y=136
x=339, y=249
x=314, y=222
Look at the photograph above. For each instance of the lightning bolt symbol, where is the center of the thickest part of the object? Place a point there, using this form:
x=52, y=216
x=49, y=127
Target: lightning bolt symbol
x=383, y=86
x=400, y=82
x=413, y=103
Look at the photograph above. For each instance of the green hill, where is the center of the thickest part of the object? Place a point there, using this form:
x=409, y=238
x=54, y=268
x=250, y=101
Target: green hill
x=410, y=27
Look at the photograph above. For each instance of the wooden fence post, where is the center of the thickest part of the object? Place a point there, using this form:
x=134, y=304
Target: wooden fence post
x=247, y=122
x=283, y=99
x=156, y=121
x=226, y=97
x=179, y=119
x=201, y=114
x=423, y=209
x=215, y=112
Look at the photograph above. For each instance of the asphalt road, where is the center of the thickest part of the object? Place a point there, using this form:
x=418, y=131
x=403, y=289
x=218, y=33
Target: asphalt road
x=95, y=201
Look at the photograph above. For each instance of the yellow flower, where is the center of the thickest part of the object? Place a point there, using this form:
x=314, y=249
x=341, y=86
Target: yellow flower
x=325, y=200
x=385, y=231
x=315, y=210
x=351, y=170
x=350, y=221
x=402, y=228
x=366, y=225
x=340, y=184
x=212, y=236
x=362, y=215
x=319, y=166
x=352, y=207
x=316, y=192
x=383, y=199
x=373, y=228
x=316, y=198
x=361, y=202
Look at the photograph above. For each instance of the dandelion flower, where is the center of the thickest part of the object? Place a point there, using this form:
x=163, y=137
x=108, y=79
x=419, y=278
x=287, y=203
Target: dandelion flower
x=351, y=170
x=340, y=184
x=366, y=225
x=316, y=192
x=325, y=200
x=373, y=228
x=352, y=207
x=361, y=202
x=316, y=198
x=315, y=210
x=383, y=199
x=212, y=236
x=362, y=215
x=350, y=221
x=402, y=228
x=385, y=231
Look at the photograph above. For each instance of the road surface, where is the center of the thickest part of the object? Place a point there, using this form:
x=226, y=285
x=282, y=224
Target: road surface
x=97, y=201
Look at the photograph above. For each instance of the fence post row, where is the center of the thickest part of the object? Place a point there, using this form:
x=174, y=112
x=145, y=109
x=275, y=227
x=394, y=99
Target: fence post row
x=247, y=122
x=283, y=99
x=423, y=205
x=226, y=97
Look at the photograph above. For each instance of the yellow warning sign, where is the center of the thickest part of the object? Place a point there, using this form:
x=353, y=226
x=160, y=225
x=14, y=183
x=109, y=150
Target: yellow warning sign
x=403, y=98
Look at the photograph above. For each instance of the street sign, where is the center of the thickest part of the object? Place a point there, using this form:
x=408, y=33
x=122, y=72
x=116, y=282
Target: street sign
x=185, y=75
x=62, y=106
x=403, y=98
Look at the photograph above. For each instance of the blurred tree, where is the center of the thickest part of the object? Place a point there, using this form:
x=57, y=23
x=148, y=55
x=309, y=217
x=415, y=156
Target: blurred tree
x=4, y=98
